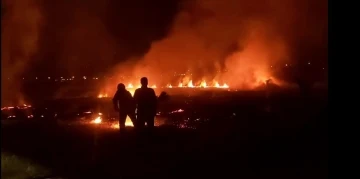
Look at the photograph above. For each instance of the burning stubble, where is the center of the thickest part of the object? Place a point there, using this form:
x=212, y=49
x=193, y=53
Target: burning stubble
x=230, y=41
x=20, y=28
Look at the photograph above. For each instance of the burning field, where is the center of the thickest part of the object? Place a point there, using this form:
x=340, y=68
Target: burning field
x=189, y=85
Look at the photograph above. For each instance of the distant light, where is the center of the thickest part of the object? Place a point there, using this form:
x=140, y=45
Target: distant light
x=286, y=65
x=73, y=77
x=23, y=78
x=36, y=78
x=323, y=68
x=308, y=63
x=8, y=78
x=49, y=77
x=84, y=77
x=271, y=66
x=61, y=77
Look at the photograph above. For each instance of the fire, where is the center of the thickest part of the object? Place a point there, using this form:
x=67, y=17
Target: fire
x=177, y=111
x=102, y=95
x=130, y=86
x=203, y=84
x=128, y=123
x=97, y=120
x=225, y=86
x=190, y=84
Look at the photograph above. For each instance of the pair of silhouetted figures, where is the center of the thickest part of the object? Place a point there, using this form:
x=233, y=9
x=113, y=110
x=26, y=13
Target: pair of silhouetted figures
x=144, y=100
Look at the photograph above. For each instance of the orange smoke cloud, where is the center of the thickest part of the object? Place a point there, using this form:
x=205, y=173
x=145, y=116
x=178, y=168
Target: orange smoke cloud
x=217, y=41
x=228, y=43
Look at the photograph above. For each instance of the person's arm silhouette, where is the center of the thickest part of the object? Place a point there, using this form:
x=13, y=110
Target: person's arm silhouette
x=115, y=101
x=136, y=96
x=154, y=101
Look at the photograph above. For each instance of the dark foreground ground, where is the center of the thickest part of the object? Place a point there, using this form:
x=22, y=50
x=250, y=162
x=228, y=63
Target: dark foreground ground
x=282, y=139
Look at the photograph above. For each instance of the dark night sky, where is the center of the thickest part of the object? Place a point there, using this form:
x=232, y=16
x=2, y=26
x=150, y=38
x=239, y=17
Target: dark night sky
x=133, y=25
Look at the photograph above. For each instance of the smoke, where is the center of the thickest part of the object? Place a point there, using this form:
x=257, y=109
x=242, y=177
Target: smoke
x=233, y=41
x=87, y=43
x=20, y=27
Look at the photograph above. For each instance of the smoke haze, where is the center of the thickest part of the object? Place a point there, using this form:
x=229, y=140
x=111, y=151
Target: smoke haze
x=233, y=41
x=230, y=41
x=20, y=31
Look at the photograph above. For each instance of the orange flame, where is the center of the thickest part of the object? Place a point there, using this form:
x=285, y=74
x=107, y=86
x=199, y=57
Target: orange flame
x=102, y=95
x=203, y=84
x=97, y=120
x=190, y=84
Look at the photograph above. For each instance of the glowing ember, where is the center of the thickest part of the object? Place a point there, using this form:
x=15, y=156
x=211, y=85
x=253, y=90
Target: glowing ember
x=177, y=111
x=7, y=108
x=24, y=106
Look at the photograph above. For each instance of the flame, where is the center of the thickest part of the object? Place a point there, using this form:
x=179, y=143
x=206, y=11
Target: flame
x=97, y=120
x=102, y=95
x=225, y=86
x=177, y=111
x=190, y=84
x=203, y=84
x=128, y=123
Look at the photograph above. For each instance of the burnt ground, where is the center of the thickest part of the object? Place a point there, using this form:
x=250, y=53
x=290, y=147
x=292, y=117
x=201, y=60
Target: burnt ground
x=284, y=137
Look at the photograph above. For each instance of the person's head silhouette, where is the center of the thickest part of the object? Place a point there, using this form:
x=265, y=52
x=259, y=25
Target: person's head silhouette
x=121, y=86
x=144, y=82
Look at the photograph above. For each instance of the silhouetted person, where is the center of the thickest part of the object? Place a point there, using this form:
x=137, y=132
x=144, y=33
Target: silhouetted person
x=146, y=102
x=125, y=105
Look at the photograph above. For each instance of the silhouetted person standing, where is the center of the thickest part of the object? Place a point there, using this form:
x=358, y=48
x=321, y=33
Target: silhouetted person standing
x=146, y=101
x=125, y=105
